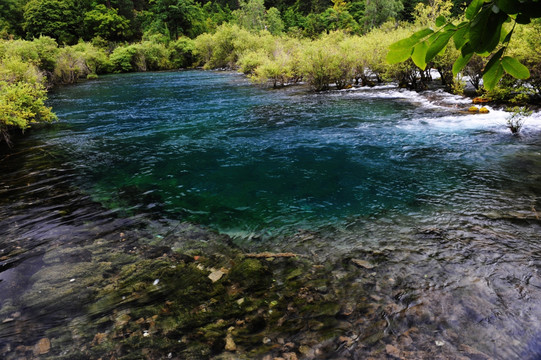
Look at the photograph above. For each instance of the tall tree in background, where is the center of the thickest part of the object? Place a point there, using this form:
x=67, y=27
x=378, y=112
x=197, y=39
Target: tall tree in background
x=107, y=24
x=378, y=11
x=251, y=14
x=11, y=17
x=179, y=17
x=59, y=19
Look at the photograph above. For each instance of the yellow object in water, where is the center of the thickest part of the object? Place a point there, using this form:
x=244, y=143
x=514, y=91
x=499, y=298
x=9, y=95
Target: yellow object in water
x=483, y=110
x=473, y=109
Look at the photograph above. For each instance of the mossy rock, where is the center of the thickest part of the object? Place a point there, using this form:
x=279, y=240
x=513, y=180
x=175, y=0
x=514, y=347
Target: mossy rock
x=251, y=274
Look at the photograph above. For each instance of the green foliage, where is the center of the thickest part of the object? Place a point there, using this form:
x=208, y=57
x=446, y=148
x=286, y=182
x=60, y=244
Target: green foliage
x=251, y=14
x=377, y=12
x=273, y=21
x=107, y=24
x=59, y=19
x=22, y=96
x=515, y=120
x=144, y=56
x=482, y=32
x=223, y=48
x=22, y=104
x=177, y=17
x=182, y=53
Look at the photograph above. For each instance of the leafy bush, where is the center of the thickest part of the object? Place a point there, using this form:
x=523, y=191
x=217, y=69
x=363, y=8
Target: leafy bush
x=122, y=58
x=181, y=53
x=22, y=104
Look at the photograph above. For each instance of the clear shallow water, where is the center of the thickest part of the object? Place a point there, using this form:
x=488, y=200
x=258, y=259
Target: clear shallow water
x=213, y=149
x=444, y=206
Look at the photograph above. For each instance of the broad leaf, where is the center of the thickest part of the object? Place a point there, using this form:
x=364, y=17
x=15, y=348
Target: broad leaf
x=473, y=9
x=514, y=68
x=495, y=59
x=441, y=20
x=419, y=55
x=460, y=37
x=395, y=56
x=438, y=45
x=411, y=41
x=460, y=63
x=493, y=75
x=509, y=6
x=485, y=30
x=466, y=49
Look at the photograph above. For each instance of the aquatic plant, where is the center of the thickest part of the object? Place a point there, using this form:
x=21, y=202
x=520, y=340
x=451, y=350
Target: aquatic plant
x=515, y=120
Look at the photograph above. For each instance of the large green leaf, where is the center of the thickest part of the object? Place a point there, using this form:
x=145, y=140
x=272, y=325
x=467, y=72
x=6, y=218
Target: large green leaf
x=493, y=61
x=473, y=9
x=395, y=56
x=441, y=20
x=514, y=68
x=419, y=54
x=438, y=44
x=460, y=36
x=411, y=41
x=493, y=75
x=485, y=29
x=509, y=6
x=460, y=63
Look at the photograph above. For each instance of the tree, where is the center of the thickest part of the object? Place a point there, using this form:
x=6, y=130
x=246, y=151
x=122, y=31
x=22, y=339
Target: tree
x=251, y=14
x=107, y=24
x=180, y=17
x=378, y=11
x=482, y=32
x=59, y=19
x=273, y=21
x=11, y=17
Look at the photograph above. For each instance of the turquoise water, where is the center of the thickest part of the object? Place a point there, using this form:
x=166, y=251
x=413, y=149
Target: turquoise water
x=211, y=148
x=442, y=205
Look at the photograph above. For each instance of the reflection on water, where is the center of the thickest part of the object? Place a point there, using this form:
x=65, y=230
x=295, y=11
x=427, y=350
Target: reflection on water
x=417, y=230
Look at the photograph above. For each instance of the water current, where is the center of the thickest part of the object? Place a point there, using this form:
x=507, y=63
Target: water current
x=424, y=217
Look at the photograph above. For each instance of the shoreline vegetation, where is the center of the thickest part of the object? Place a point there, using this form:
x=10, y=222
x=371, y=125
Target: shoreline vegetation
x=339, y=57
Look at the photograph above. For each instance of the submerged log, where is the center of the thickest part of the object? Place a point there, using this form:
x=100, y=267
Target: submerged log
x=267, y=254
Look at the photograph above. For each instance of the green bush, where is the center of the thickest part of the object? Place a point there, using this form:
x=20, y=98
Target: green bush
x=181, y=53
x=22, y=104
x=122, y=59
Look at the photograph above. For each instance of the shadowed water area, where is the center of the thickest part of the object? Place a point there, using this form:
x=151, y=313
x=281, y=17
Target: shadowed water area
x=193, y=215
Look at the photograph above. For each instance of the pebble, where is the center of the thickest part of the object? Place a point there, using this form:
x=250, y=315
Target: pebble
x=290, y=356
x=216, y=275
x=42, y=347
x=229, y=343
x=392, y=350
x=362, y=263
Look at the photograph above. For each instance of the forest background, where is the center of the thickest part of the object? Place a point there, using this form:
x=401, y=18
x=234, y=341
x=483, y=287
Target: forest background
x=277, y=42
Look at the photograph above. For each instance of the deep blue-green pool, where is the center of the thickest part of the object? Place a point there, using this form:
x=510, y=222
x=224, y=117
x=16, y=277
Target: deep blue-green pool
x=212, y=148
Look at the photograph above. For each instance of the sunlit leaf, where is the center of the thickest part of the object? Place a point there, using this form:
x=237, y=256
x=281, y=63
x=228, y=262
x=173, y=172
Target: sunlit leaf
x=493, y=60
x=473, y=9
x=395, y=56
x=419, y=55
x=411, y=41
x=514, y=68
x=441, y=20
x=460, y=63
x=438, y=45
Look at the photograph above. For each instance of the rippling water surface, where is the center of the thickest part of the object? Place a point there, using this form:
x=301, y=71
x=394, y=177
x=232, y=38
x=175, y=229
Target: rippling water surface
x=443, y=201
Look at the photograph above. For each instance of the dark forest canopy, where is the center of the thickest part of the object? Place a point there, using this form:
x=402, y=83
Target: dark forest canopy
x=69, y=21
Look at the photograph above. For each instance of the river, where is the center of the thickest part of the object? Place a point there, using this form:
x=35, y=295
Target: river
x=416, y=224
